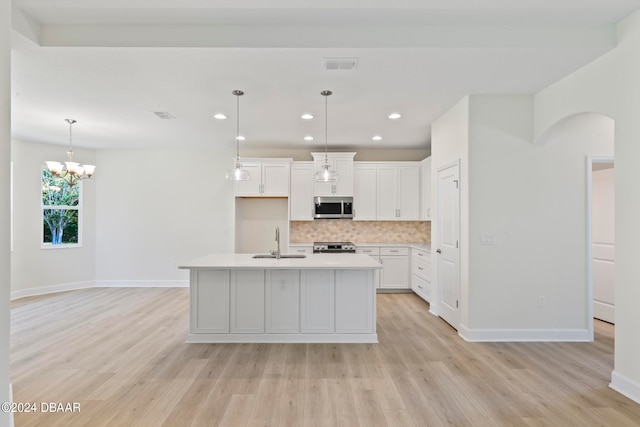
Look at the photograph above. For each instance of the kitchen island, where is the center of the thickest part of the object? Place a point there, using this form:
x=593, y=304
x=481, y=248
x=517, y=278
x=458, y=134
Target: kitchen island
x=322, y=298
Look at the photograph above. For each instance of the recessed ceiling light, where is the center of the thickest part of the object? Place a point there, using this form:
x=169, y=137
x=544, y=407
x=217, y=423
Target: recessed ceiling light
x=240, y=138
x=308, y=138
x=307, y=116
x=394, y=116
x=377, y=138
x=220, y=116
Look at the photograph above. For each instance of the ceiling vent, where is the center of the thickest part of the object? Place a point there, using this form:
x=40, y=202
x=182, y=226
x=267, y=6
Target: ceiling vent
x=340, y=63
x=163, y=115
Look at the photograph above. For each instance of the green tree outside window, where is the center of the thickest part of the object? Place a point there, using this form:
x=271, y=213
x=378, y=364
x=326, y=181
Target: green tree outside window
x=60, y=210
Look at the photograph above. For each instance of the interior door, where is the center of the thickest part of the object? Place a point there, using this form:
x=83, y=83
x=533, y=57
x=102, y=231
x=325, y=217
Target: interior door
x=448, y=245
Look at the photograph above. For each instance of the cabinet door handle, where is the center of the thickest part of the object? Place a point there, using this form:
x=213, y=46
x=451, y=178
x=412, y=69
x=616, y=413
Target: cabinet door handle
x=438, y=251
x=420, y=268
x=420, y=254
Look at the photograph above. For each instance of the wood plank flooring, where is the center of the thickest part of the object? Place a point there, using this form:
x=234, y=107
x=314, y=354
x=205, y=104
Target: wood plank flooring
x=121, y=354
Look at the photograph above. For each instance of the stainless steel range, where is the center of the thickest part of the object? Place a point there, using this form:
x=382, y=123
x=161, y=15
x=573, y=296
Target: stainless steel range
x=333, y=247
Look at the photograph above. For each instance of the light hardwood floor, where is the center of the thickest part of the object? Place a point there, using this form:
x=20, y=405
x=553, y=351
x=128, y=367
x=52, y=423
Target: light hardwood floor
x=121, y=354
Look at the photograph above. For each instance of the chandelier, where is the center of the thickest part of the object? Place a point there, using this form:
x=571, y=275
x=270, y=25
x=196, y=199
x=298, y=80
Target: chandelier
x=71, y=172
x=325, y=174
x=237, y=173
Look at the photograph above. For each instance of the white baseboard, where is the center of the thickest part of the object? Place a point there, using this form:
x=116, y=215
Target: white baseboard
x=625, y=386
x=532, y=335
x=22, y=293
x=142, y=283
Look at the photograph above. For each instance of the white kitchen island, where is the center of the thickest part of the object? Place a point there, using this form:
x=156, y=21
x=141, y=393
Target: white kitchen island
x=323, y=298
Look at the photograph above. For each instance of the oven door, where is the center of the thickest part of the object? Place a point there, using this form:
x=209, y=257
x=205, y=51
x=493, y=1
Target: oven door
x=327, y=207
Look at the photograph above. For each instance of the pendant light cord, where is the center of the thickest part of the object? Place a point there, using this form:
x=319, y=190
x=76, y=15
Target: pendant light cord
x=237, y=128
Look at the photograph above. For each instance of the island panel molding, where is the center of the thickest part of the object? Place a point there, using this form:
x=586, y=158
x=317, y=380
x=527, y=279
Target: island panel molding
x=323, y=298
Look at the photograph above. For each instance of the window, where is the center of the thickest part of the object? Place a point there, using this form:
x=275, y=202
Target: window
x=60, y=212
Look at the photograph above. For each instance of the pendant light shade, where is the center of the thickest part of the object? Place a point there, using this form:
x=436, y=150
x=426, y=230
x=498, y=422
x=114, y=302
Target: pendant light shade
x=326, y=174
x=237, y=173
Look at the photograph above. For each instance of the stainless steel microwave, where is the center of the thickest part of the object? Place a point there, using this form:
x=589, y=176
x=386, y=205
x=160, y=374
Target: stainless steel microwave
x=333, y=207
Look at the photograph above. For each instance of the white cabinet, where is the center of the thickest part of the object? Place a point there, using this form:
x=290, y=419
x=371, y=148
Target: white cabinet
x=282, y=310
x=364, y=191
x=373, y=252
x=398, y=192
x=355, y=302
x=395, y=271
x=209, y=300
x=247, y=301
x=342, y=163
x=425, y=195
x=421, y=273
x=266, y=178
x=301, y=198
x=317, y=301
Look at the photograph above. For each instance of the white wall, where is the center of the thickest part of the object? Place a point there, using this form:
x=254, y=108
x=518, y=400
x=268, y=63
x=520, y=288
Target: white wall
x=450, y=143
x=175, y=206
x=256, y=222
x=611, y=85
x=34, y=269
x=533, y=200
x=5, y=155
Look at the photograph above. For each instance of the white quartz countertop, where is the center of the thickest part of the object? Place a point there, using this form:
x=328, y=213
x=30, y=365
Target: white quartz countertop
x=312, y=261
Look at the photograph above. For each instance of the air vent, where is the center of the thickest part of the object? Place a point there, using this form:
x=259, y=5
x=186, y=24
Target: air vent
x=340, y=63
x=163, y=115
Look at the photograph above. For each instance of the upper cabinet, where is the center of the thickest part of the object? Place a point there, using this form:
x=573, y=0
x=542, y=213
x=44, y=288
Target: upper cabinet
x=267, y=178
x=398, y=194
x=425, y=211
x=341, y=163
x=301, y=198
x=364, y=191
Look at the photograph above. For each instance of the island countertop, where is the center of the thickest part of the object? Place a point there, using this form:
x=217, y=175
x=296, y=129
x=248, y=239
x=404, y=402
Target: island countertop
x=340, y=261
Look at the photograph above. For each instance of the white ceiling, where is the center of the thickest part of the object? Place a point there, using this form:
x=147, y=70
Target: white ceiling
x=110, y=64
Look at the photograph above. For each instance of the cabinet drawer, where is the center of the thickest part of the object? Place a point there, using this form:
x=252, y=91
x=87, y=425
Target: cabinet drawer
x=368, y=250
x=301, y=250
x=421, y=287
x=421, y=253
x=421, y=268
x=394, y=251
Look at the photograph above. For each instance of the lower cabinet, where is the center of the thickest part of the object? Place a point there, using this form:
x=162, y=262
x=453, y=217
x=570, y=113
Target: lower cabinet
x=282, y=311
x=317, y=297
x=421, y=274
x=355, y=302
x=247, y=301
x=209, y=300
x=395, y=271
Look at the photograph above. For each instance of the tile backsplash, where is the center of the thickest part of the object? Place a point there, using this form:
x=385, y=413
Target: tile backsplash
x=332, y=230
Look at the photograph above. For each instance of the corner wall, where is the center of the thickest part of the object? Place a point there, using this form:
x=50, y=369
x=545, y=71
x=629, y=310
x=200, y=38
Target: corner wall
x=611, y=86
x=33, y=269
x=5, y=158
x=532, y=200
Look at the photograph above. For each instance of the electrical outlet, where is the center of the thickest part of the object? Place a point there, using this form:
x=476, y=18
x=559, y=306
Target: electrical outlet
x=540, y=302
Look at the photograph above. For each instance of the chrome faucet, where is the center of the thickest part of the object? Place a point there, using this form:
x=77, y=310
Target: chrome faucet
x=277, y=251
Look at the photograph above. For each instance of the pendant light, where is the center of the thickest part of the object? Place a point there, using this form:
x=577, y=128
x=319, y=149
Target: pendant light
x=71, y=172
x=325, y=174
x=237, y=173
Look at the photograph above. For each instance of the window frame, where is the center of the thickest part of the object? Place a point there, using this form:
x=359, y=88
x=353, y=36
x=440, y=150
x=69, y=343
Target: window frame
x=78, y=207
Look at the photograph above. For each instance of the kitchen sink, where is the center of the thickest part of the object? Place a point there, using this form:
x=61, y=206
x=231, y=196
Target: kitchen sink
x=281, y=256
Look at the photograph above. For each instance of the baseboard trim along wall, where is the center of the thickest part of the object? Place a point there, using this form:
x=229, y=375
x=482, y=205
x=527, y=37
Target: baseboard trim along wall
x=625, y=386
x=524, y=335
x=141, y=283
x=43, y=290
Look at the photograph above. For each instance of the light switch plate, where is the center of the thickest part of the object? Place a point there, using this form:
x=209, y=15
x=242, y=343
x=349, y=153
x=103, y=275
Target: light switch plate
x=487, y=239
